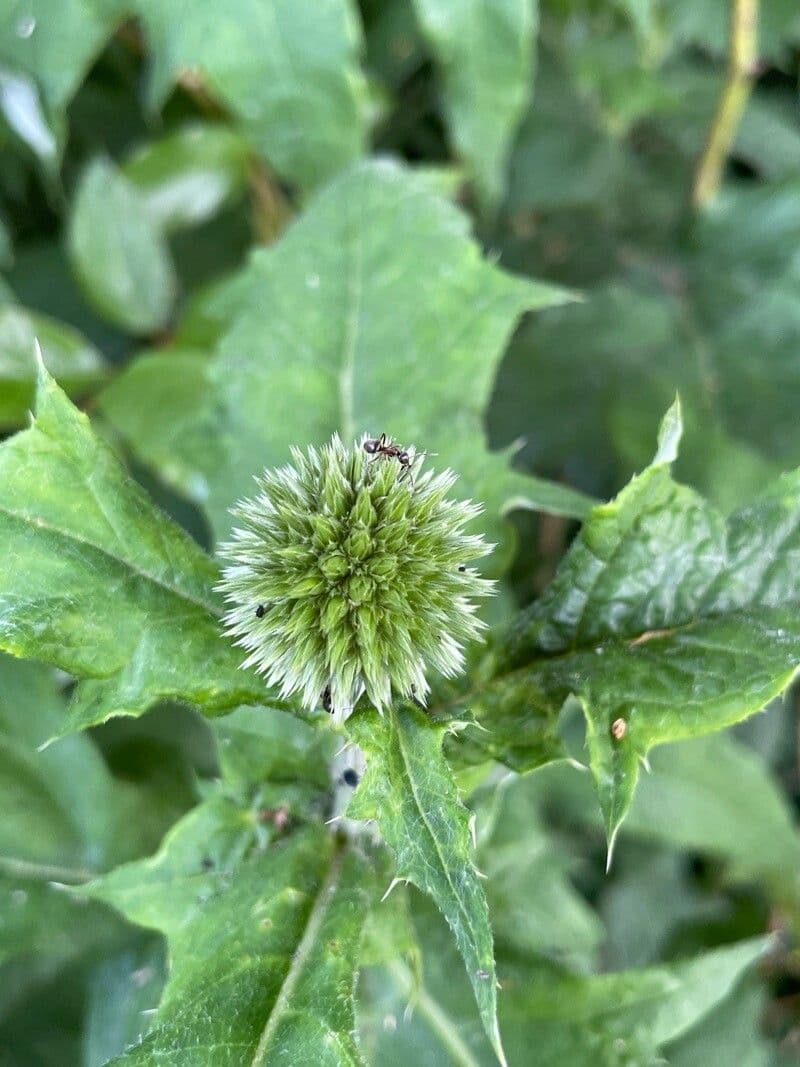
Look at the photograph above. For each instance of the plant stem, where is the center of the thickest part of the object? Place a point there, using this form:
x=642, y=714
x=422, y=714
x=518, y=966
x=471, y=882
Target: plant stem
x=742, y=57
x=271, y=209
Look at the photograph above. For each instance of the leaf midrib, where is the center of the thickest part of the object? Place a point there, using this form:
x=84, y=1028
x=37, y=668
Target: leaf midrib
x=300, y=956
x=40, y=524
x=429, y=828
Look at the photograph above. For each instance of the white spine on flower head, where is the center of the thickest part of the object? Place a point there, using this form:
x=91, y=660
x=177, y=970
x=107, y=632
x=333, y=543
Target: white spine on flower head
x=347, y=575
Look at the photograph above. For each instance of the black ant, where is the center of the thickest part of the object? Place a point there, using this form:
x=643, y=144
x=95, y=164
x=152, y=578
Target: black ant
x=326, y=700
x=384, y=446
x=260, y=611
x=462, y=568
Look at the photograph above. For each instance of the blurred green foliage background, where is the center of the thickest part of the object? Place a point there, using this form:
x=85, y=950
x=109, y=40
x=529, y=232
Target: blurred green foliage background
x=146, y=148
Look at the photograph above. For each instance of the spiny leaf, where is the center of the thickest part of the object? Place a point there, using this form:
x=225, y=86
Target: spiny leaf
x=100, y=583
x=263, y=945
x=409, y=790
x=70, y=358
x=665, y=622
x=689, y=801
x=485, y=49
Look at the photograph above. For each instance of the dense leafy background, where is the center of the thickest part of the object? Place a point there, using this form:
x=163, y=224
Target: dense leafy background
x=237, y=227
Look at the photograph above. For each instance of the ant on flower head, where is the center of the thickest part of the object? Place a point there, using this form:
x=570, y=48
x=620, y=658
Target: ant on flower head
x=384, y=446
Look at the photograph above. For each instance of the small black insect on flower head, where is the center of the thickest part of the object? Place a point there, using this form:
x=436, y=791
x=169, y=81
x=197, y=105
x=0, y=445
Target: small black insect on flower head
x=462, y=568
x=350, y=777
x=260, y=611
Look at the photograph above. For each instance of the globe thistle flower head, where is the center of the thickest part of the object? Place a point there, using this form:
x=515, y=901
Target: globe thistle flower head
x=347, y=574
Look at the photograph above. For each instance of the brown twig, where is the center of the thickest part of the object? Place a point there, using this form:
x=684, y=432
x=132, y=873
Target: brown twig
x=742, y=67
x=271, y=209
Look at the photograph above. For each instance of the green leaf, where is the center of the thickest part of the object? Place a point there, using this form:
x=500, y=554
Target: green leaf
x=662, y=621
x=275, y=761
x=615, y=361
x=549, y=1016
x=6, y=250
x=395, y=325
x=22, y=110
x=731, y=1033
x=56, y=43
x=692, y=800
x=263, y=946
x=123, y=993
x=401, y=1021
x=593, y=1020
x=533, y=906
x=409, y=790
x=389, y=933
x=652, y=897
x=286, y=68
x=71, y=819
x=42, y=1023
x=118, y=254
x=706, y=25
x=160, y=404
x=102, y=584
x=68, y=356
x=69, y=810
x=485, y=50
x=187, y=176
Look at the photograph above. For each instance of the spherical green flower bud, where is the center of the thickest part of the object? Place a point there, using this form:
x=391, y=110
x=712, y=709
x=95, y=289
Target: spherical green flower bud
x=347, y=575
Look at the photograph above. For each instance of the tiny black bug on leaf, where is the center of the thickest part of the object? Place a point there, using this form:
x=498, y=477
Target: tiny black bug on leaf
x=462, y=568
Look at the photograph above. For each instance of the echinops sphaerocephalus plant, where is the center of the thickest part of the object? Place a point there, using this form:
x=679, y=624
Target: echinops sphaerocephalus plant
x=347, y=573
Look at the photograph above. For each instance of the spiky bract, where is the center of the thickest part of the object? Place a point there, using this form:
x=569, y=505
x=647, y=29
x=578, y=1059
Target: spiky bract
x=344, y=574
